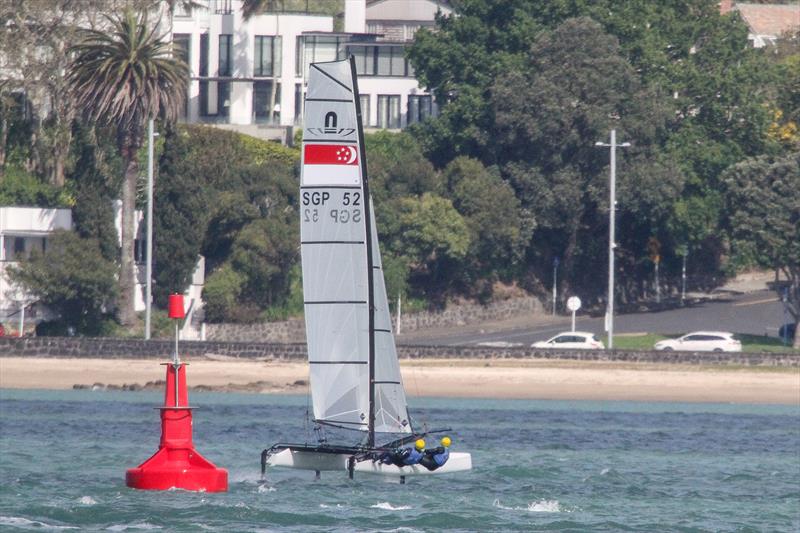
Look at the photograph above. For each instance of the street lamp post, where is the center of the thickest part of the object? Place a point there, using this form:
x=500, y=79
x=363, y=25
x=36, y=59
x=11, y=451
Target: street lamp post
x=555, y=284
x=683, y=275
x=149, y=269
x=611, y=221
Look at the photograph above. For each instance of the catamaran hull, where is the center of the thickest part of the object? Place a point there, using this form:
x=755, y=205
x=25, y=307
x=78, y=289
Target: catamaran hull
x=310, y=460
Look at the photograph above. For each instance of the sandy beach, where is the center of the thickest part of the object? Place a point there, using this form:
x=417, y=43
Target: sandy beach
x=527, y=379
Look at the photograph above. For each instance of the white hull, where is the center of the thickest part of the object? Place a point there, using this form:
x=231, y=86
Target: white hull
x=309, y=460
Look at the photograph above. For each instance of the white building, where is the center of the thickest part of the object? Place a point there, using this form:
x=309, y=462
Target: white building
x=249, y=75
x=24, y=229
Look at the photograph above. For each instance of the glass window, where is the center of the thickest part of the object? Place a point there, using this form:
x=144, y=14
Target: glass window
x=420, y=107
x=266, y=101
x=398, y=61
x=391, y=61
x=389, y=111
x=365, y=59
x=225, y=55
x=298, y=103
x=204, y=54
x=224, y=99
x=363, y=100
x=298, y=56
x=385, y=61
x=267, y=56
x=318, y=48
x=181, y=45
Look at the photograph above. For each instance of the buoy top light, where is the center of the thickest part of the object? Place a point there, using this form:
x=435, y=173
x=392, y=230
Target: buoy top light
x=176, y=306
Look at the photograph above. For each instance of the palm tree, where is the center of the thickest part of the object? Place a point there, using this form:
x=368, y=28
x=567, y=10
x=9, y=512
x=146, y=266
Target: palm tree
x=123, y=77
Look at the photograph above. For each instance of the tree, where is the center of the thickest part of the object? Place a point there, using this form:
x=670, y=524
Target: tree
x=499, y=228
x=95, y=181
x=124, y=77
x=763, y=205
x=547, y=118
x=72, y=277
x=432, y=237
x=181, y=217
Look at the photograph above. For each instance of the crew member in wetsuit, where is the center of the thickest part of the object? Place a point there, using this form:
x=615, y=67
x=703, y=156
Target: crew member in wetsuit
x=405, y=456
x=437, y=457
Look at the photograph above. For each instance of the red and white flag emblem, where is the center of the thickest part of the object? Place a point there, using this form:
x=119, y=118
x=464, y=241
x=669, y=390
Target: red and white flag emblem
x=331, y=154
x=330, y=164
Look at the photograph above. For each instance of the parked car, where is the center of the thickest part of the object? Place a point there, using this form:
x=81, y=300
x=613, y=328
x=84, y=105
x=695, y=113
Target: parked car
x=702, y=341
x=571, y=339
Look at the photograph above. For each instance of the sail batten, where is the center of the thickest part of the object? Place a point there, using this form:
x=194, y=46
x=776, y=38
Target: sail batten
x=354, y=373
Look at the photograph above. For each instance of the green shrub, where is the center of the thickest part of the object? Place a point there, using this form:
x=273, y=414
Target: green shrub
x=221, y=293
x=72, y=278
x=18, y=187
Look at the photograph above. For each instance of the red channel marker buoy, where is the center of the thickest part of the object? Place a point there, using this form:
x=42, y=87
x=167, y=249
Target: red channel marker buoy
x=177, y=464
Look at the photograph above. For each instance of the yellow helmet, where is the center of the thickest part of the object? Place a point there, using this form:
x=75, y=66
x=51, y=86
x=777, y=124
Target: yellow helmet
x=420, y=444
x=446, y=441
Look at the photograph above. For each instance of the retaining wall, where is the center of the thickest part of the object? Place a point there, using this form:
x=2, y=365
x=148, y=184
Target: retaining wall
x=134, y=348
x=455, y=315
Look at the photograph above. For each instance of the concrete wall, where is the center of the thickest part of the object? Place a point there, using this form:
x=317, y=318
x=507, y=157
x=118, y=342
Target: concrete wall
x=455, y=315
x=135, y=348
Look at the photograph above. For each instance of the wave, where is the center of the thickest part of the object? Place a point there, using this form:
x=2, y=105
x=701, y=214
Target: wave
x=541, y=506
x=24, y=523
x=87, y=500
x=389, y=507
x=138, y=525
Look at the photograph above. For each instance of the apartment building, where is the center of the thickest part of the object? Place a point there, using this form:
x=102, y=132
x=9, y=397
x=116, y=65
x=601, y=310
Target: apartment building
x=249, y=75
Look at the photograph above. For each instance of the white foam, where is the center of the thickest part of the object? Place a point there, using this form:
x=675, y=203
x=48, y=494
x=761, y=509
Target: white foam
x=337, y=506
x=389, y=507
x=542, y=506
x=87, y=500
x=139, y=525
x=18, y=521
x=605, y=471
x=263, y=488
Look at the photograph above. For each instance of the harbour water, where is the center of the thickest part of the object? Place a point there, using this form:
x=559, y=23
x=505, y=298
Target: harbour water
x=538, y=466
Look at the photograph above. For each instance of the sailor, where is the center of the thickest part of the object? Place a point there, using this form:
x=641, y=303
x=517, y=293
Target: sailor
x=405, y=456
x=437, y=457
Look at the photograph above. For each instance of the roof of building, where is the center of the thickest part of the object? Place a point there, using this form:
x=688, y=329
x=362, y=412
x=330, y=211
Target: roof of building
x=770, y=19
x=406, y=10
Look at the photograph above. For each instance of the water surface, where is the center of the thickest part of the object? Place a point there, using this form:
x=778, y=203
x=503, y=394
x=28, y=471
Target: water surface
x=538, y=466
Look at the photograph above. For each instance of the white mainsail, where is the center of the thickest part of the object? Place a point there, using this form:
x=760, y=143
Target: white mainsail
x=348, y=382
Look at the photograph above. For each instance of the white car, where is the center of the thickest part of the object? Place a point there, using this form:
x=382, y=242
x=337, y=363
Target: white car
x=702, y=341
x=571, y=339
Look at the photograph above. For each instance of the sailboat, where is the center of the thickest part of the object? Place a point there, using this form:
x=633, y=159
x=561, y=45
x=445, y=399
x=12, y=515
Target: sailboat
x=354, y=371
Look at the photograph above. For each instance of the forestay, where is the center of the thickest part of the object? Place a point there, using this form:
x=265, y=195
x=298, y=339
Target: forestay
x=338, y=264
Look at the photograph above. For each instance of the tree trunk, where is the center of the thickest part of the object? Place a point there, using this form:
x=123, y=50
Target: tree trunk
x=127, y=276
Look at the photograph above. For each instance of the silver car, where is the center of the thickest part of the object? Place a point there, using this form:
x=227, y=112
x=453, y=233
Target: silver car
x=702, y=341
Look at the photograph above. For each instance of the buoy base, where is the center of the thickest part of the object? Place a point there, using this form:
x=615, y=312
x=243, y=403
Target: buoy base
x=177, y=464
x=181, y=469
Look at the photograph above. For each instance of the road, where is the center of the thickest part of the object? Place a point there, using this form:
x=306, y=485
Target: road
x=753, y=313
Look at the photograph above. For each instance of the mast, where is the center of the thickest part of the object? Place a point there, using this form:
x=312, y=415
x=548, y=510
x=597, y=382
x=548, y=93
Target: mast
x=370, y=266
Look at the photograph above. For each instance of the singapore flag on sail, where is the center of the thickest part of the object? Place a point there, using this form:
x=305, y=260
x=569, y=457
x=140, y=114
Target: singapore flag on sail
x=331, y=164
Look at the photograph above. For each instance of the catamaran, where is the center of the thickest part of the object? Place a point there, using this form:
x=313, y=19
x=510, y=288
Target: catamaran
x=354, y=371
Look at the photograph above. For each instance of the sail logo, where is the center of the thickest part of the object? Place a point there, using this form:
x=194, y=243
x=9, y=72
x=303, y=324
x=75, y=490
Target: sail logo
x=331, y=128
x=331, y=164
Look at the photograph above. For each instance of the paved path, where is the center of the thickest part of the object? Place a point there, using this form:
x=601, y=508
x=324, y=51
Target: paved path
x=753, y=313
